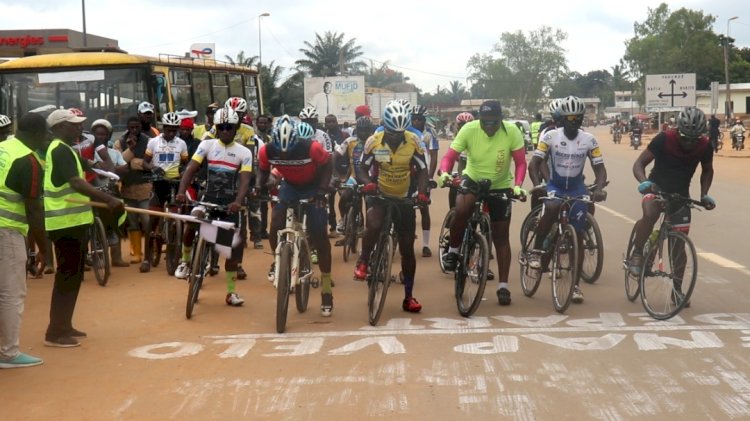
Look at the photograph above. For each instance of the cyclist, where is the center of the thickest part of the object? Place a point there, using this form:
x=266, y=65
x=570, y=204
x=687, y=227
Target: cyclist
x=165, y=154
x=489, y=143
x=6, y=126
x=199, y=132
x=245, y=132
x=676, y=154
x=566, y=150
x=310, y=116
x=392, y=153
x=302, y=170
x=431, y=146
x=229, y=166
x=350, y=153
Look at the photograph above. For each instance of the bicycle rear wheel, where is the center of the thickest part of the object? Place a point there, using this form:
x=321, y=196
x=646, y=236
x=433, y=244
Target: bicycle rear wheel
x=632, y=282
x=156, y=241
x=471, y=276
x=593, y=251
x=173, y=234
x=100, y=252
x=302, y=289
x=198, y=273
x=283, y=286
x=564, y=268
x=380, y=278
x=445, y=237
x=669, y=275
x=351, y=233
x=530, y=277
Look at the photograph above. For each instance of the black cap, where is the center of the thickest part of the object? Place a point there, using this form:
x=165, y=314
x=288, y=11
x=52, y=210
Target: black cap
x=490, y=109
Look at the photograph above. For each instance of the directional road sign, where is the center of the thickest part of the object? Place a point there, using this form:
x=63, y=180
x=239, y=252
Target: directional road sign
x=671, y=91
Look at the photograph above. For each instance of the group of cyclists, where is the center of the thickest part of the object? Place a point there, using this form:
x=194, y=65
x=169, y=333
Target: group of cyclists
x=230, y=163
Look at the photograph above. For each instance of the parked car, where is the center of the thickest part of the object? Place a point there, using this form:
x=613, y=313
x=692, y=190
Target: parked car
x=525, y=128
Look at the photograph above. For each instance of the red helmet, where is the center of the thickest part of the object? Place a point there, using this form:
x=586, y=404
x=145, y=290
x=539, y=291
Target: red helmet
x=363, y=111
x=464, y=117
x=247, y=119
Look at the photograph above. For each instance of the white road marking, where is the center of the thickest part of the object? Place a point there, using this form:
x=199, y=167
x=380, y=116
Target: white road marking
x=711, y=257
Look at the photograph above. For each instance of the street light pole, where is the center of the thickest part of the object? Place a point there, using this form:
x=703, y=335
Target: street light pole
x=260, y=59
x=728, y=102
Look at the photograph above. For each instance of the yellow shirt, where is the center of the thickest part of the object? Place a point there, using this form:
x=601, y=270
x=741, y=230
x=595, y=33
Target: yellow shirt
x=244, y=134
x=394, y=167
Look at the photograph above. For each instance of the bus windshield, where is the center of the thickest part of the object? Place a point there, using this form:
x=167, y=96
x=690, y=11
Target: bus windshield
x=109, y=93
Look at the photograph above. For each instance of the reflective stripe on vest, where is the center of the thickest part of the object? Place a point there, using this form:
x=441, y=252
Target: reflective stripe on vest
x=12, y=206
x=59, y=213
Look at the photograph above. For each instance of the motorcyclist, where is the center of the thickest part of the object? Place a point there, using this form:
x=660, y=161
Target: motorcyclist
x=636, y=131
x=737, y=129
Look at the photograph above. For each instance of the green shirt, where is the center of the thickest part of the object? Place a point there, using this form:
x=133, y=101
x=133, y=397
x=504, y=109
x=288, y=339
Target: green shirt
x=489, y=157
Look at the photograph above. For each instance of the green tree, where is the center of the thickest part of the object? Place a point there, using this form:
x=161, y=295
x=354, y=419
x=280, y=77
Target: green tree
x=270, y=79
x=676, y=42
x=290, y=99
x=241, y=60
x=457, y=91
x=384, y=76
x=330, y=55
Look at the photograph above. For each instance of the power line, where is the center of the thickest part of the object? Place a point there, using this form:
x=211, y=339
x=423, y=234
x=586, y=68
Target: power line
x=197, y=36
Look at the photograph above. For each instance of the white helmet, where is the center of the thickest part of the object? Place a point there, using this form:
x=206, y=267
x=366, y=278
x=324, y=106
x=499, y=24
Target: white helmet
x=237, y=104
x=5, y=121
x=572, y=105
x=308, y=112
x=226, y=115
x=284, y=135
x=396, y=116
x=170, y=119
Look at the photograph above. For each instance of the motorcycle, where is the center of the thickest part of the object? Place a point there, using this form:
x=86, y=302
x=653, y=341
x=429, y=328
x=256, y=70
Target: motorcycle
x=617, y=135
x=738, y=141
x=635, y=140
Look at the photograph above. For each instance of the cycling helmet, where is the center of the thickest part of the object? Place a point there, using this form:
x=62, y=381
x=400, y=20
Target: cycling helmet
x=5, y=121
x=170, y=119
x=226, y=115
x=396, y=117
x=305, y=131
x=572, y=105
x=237, y=104
x=363, y=123
x=419, y=110
x=554, y=106
x=691, y=122
x=76, y=112
x=284, y=135
x=464, y=117
x=406, y=104
x=308, y=112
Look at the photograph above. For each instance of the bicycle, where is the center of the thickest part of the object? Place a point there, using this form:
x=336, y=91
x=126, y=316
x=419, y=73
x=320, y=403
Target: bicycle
x=379, y=275
x=661, y=282
x=561, y=250
x=473, y=261
x=98, y=252
x=593, y=243
x=294, y=269
x=354, y=222
x=168, y=232
x=200, y=259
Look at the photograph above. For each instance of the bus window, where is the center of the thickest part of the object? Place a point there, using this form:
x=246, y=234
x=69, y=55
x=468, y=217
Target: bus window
x=181, y=90
x=235, y=85
x=220, y=87
x=201, y=91
x=160, y=93
x=251, y=94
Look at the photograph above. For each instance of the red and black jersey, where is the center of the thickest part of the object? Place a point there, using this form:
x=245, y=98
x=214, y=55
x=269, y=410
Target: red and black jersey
x=300, y=166
x=673, y=166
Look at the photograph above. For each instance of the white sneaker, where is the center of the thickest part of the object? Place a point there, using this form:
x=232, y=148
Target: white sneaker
x=272, y=272
x=534, y=260
x=340, y=227
x=182, y=271
x=233, y=299
x=577, y=295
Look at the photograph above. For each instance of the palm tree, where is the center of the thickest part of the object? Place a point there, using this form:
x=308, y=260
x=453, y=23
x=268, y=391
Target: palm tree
x=241, y=60
x=330, y=56
x=457, y=91
x=620, y=76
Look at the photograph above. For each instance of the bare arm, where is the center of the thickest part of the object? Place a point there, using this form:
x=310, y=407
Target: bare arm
x=600, y=174
x=707, y=176
x=534, y=170
x=639, y=167
x=433, y=162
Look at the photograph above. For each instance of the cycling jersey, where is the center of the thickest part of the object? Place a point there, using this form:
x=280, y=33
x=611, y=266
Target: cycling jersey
x=352, y=150
x=325, y=140
x=429, y=143
x=673, y=166
x=167, y=154
x=394, y=167
x=243, y=135
x=225, y=163
x=567, y=158
x=300, y=166
x=489, y=157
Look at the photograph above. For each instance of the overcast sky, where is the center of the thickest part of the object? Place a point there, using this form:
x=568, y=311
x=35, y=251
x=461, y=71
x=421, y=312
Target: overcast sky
x=430, y=42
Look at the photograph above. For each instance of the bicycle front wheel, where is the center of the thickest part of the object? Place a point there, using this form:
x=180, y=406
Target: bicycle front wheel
x=302, y=289
x=198, y=271
x=100, y=252
x=668, y=278
x=350, y=233
x=283, y=286
x=564, y=268
x=471, y=276
x=530, y=277
x=173, y=234
x=593, y=251
x=380, y=278
x=445, y=237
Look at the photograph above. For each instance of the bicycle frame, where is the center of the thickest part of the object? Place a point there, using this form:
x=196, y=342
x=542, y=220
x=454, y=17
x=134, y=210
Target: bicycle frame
x=294, y=232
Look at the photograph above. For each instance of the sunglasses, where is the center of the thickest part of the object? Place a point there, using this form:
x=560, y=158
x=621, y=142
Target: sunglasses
x=687, y=138
x=418, y=118
x=572, y=117
x=490, y=123
x=224, y=127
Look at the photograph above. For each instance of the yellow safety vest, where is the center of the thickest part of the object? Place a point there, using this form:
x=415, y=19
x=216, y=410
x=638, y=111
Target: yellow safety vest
x=535, y=125
x=12, y=207
x=59, y=213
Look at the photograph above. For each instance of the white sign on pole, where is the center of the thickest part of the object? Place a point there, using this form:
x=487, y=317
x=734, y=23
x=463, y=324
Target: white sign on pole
x=670, y=92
